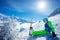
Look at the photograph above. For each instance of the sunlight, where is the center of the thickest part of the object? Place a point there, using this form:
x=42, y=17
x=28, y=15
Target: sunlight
x=41, y=5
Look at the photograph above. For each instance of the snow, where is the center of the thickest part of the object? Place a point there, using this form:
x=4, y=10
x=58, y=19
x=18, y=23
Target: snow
x=38, y=26
x=41, y=38
x=25, y=25
x=55, y=19
x=13, y=28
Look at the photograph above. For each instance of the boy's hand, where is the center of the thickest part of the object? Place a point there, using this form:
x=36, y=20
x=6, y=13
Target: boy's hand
x=31, y=28
x=53, y=34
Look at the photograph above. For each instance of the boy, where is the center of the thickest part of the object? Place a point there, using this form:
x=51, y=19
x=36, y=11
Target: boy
x=48, y=29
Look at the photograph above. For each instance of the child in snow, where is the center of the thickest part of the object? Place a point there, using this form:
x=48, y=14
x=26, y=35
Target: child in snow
x=48, y=29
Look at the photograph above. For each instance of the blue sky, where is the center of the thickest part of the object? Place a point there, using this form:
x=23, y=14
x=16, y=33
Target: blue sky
x=28, y=9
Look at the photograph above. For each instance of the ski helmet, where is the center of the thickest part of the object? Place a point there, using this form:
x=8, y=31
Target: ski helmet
x=45, y=19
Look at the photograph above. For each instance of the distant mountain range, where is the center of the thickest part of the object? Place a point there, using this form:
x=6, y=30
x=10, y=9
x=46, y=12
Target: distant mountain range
x=6, y=18
x=22, y=20
x=55, y=12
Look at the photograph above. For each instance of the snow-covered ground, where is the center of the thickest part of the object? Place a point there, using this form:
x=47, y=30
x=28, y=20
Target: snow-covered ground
x=17, y=31
x=40, y=26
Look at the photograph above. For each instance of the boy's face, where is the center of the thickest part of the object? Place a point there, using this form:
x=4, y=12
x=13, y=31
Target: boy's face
x=45, y=21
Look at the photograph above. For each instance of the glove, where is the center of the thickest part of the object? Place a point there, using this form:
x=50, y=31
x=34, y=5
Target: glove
x=53, y=34
x=31, y=28
x=30, y=32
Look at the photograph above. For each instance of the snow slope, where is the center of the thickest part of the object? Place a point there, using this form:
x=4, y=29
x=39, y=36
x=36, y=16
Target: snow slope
x=55, y=12
x=12, y=27
x=17, y=31
x=40, y=26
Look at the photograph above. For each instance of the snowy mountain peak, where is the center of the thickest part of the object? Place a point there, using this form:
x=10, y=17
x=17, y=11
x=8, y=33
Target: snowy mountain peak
x=5, y=18
x=2, y=15
x=55, y=12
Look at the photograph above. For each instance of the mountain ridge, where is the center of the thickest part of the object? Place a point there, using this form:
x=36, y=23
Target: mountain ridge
x=5, y=18
x=55, y=12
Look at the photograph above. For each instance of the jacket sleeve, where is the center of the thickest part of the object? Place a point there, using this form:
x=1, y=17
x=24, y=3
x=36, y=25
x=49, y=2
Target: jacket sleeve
x=51, y=26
